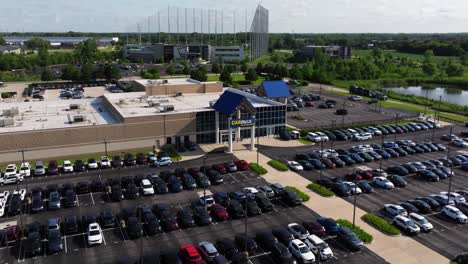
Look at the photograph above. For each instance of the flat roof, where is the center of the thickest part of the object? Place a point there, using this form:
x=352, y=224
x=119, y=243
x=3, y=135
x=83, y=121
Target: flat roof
x=178, y=81
x=38, y=115
x=138, y=104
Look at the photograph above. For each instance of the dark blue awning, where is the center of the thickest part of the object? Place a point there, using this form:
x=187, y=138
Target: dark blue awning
x=229, y=102
x=275, y=89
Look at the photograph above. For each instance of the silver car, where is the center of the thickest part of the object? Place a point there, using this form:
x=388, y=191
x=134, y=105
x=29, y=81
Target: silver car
x=39, y=169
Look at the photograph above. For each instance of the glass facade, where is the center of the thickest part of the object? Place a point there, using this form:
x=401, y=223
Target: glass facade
x=269, y=120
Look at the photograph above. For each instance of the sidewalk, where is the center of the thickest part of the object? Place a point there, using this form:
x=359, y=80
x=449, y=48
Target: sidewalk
x=398, y=249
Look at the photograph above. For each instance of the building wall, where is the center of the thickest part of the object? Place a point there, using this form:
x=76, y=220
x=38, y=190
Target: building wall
x=227, y=53
x=168, y=89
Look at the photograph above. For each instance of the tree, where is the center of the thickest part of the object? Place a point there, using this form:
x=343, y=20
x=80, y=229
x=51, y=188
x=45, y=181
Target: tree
x=244, y=66
x=429, y=68
x=111, y=72
x=453, y=70
x=428, y=54
x=199, y=75
x=86, y=51
x=215, y=68
x=87, y=72
x=36, y=43
x=186, y=70
x=170, y=70
x=295, y=72
x=251, y=76
x=70, y=73
x=225, y=76
x=46, y=75
x=43, y=56
x=260, y=68
x=2, y=41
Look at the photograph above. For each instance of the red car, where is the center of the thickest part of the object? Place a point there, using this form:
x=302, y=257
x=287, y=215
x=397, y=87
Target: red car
x=242, y=165
x=219, y=212
x=328, y=163
x=189, y=254
x=366, y=175
x=12, y=233
x=315, y=228
x=353, y=177
x=309, y=104
x=220, y=168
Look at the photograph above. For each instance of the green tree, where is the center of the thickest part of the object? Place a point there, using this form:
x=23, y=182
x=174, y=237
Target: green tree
x=70, y=73
x=199, y=75
x=2, y=41
x=453, y=70
x=295, y=72
x=155, y=73
x=429, y=68
x=225, y=76
x=46, y=75
x=86, y=51
x=43, y=56
x=251, y=76
x=171, y=70
x=215, y=68
x=87, y=72
x=36, y=43
x=244, y=66
x=428, y=54
x=186, y=70
x=111, y=72
x=260, y=68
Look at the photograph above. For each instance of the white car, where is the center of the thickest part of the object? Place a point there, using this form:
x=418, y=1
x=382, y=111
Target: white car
x=295, y=166
x=379, y=172
x=105, y=162
x=362, y=136
x=459, y=143
x=164, y=161
x=409, y=142
x=67, y=166
x=94, y=234
x=298, y=231
x=2, y=210
x=406, y=224
x=250, y=191
x=454, y=213
x=375, y=131
x=10, y=179
x=421, y=221
x=314, y=137
x=323, y=136
x=395, y=209
x=4, y=197
x=456, y=197
x=11, y=170
x=442, y=199
x=301, y=251
x=206, y=198
x=92, y=164
x=25, y=169
x=331, y=152
x=152, y=157
x=21, y=192
x=383, y=182
x=319, y=247
x=295, y=134
x=147, y=187
x=353, y=187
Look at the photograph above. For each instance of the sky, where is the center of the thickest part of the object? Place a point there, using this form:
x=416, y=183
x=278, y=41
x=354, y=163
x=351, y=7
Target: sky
x=300, y=16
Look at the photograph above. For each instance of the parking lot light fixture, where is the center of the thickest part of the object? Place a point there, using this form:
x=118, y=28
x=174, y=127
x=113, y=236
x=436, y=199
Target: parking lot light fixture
x=355, y=196
x=245, y=223
x=105, y=146
x=204, y=185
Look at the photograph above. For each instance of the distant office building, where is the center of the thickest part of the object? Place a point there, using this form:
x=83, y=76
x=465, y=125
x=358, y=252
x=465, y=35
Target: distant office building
x=60, y=41
x=139, y=53
x=342, y=52
x=227, y=54
x=10, y=49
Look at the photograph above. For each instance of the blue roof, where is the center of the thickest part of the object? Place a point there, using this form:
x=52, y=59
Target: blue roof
x=275, y=89
x=228, y=102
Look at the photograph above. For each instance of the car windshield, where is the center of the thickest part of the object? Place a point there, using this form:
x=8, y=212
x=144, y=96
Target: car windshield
x=423, y=221
x=94, y=233
x=410, y=224
x=10, y=170
x=146, y=185
x=322, y=245
x=304, y=249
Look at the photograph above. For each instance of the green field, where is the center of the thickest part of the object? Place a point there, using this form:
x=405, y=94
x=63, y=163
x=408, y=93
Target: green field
x=416, y=57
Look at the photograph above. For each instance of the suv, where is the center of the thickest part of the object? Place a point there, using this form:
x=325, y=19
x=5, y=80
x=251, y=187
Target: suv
x=421, y=221
x=395, y=210
x=319, y=247
x=67, y=166
x=406, y=224
x=208, y=251
x=189, y=254
x=39, y=169
x=25, y=169
x=301, y=251
x=454, y=214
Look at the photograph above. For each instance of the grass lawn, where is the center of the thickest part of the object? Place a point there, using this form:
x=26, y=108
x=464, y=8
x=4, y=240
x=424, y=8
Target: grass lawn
x=395, y=54
x=305, y=141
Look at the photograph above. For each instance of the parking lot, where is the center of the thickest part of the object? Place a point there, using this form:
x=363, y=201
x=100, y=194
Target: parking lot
x=448, y=237
x=116, y=243
x=358, y=113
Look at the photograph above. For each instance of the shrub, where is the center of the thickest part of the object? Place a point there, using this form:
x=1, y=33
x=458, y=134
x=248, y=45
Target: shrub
x=278, y=165
x=381, y=224
x=320, y=189
x=257, y=168
x=304, y=197
x=299, y=117
x=172, y=154
x=363, y=235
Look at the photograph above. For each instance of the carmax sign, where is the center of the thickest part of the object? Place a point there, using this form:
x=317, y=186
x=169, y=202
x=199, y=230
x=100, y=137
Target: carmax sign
x=235, y=123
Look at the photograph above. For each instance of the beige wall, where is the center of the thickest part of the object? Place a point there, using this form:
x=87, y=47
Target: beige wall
x=168, y=89
x=171, y=125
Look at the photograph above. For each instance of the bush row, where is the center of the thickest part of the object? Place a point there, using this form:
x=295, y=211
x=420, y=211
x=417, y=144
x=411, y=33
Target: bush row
x=320, y=189
x=278, y=165
x=304, y=197
x=258, y=169
x=363, y=235
x=381, y=224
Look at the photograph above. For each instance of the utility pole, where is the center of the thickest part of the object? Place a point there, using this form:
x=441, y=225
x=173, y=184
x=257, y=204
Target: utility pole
x=355, y=197
x=204, y=185
x=186, y=27
x=222, y=28
x=159, y=27
x=258, y=147
x=451, y=168
x=140, y=208
x=216, y=27
x=234, y=27
x=396, y=124
x=245, y=221
x=105, y=147
x=425, y=105
x=201, y=25
x=178, y=39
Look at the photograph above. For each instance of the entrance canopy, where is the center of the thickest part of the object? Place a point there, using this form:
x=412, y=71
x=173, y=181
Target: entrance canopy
x=229, y=102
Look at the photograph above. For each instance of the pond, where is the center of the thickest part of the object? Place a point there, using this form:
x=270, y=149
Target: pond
x=450, y=94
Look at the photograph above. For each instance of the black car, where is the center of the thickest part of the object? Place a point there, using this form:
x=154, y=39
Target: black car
x=79, y=166
x=54, y=241
x=422, y=206
x=235, y=209
x=266, y=240
x=188, y=181
x=340, y=135
x=107, y=219
x=116, y=161
x=290, y=197
x=37, y=203
x=263, y=202
x=428, y=175
x=97, y=186
x=160, y=186
x=202, y=180
x=70, y=199
x=281, y=254
x=409, y=150
x=398, y=170
x=398, y=181
x=365, y=187
x=150, y=222
x=140, y=158
x=347, y=160
x=350, y=239
x=71, y=225
x=132, y=191
x=431, y=202
x=222, y=198
x=409, y=208
x=33, y=244
x=341, y=189
x=185, y=218
x=252, y=207
x=201, y=216
x=326, y=182
x=82, y=188
x=116, y=193
x=129, y=160
x=246, y=243
x=214, y=176
x=190, y=146
x=283, y=235
x=174, y=184
x=337, y=161
x=134, y=229
x=170, y=257
x=167, y=216
x=410, y=168
x=226, y=247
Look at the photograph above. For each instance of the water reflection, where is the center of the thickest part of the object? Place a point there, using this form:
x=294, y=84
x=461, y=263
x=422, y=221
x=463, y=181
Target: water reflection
x=450, y=94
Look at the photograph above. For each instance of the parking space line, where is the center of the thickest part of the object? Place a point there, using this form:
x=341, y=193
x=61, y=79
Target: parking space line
x=234, y=178
x=438, y=222
x=65, y=242
x=77, y=201
x=92, y=199
x=104, y=239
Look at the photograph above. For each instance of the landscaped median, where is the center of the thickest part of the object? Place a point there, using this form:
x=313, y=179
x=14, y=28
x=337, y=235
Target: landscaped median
x=381, y=224
x=173, y=154
x=278, y=165
x=304, y=197
x=258, y=169
x=320, y=189
x=363, y=235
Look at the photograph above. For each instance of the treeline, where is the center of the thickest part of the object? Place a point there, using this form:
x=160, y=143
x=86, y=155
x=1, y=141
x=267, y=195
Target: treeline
x=440, y=48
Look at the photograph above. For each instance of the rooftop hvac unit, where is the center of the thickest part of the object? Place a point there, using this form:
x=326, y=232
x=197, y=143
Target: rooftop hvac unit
x=74, y=107
x=79, y=118
x=168, y=108
x=6, y=122
x=122, y=101
x=165, y=81
x=178, y=94
x=14, y=111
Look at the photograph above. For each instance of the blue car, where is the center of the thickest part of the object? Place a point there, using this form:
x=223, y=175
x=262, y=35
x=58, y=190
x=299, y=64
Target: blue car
x=390, y=145
x=174, y=184
x=318, y=165
x=330, y=225
x=462, y=158
x=383, y=153
x=356, y=158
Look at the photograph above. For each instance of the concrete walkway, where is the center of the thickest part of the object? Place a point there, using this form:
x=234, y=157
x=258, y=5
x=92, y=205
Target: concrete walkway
x=399, y=249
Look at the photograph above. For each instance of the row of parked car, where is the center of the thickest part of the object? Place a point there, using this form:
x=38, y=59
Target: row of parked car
x=364, y=133
x=13, y=200
x=455, y=140
x=408, y=215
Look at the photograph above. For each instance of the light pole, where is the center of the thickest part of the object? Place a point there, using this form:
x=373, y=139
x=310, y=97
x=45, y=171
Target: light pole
x=204, y=185
x=245, y=223
x=396, y=124
x=105, y=147
x=355, y=196
x=451, y=169
x=140, y=208
x=258, y=146
x=425, y=104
